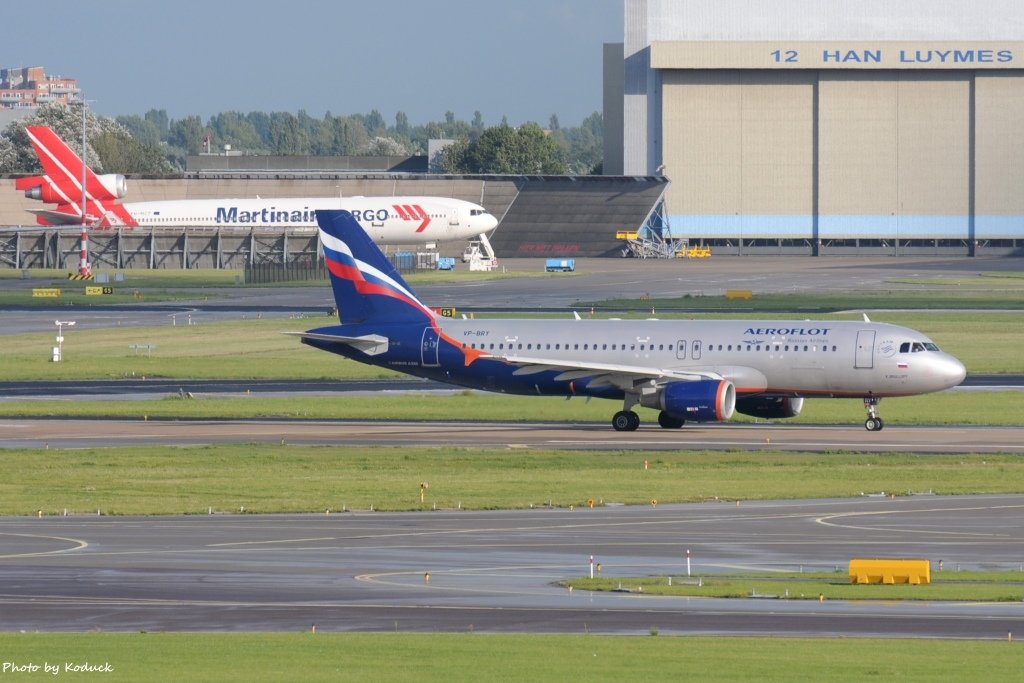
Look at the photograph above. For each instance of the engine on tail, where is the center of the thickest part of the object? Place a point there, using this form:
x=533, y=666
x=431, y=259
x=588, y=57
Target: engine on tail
x=770, y=407
x=701, y=401
x=112, y=186
x=42, y=190
x=115, y=184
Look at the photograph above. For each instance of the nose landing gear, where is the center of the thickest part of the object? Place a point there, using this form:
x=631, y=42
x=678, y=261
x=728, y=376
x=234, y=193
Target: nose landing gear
x=873, y=423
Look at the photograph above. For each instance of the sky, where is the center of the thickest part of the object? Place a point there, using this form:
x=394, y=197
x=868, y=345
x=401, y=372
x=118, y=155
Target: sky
x=524, y=59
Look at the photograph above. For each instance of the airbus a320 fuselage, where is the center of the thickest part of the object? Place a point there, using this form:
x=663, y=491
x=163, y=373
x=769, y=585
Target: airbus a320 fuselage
x=690, y=371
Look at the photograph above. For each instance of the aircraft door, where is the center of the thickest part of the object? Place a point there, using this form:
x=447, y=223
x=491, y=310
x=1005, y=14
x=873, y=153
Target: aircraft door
x=865, y=355
x=695, y=351
x=429, y=348
x=681, y=349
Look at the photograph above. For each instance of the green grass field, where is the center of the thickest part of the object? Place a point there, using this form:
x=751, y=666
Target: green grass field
x=191, y=283
x=416, y=658
x=150, y=480
x=959, y=586
x=987, y=291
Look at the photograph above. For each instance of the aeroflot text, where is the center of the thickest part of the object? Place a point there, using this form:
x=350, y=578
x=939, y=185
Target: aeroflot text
x=791, y=331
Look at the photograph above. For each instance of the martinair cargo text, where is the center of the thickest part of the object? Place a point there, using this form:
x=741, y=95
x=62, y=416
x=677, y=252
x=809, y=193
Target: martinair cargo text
x=689, y=370
x=388, y=220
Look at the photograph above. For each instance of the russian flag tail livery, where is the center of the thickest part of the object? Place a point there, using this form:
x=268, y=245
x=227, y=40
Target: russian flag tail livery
x=62, y=185
x=367, y=288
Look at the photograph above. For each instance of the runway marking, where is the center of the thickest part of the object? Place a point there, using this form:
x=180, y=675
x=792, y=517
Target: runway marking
x=779, y=444
x=823, y=521
x=80, y=544
x=284, y=540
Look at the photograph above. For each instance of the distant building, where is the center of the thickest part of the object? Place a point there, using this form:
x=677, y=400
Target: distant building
x=809, y=125
x=24, y=89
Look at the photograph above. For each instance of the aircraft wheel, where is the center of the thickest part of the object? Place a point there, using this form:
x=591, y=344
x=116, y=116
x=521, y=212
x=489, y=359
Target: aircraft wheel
x=669, y=422
x=873, y=424
x=625, y=421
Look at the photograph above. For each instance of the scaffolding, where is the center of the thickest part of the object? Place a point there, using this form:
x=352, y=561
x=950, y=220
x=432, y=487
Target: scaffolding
x=654, y=238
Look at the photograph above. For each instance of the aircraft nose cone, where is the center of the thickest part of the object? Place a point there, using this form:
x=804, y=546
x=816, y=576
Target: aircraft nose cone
x=952, y=372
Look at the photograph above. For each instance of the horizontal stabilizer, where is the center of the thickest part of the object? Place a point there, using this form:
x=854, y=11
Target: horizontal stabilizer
x=370, y=344
x=58, y=217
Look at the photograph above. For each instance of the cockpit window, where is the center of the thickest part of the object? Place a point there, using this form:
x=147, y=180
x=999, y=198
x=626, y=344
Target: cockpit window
x=477, y=212
x=917, y=347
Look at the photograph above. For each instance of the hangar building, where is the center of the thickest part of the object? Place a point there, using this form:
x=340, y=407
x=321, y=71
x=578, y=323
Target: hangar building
x=801, y=126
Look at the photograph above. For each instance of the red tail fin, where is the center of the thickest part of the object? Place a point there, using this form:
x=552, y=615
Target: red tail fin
x=62, y=183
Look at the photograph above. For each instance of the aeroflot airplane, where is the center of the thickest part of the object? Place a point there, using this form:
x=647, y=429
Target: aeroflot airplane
x=698, y=371
x=388, y=220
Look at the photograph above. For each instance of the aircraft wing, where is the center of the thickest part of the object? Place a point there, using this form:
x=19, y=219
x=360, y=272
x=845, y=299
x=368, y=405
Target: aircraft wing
x=627, y=377
x=370, y=344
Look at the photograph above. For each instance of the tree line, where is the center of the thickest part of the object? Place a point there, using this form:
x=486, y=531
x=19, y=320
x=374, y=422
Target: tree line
x=154, y=143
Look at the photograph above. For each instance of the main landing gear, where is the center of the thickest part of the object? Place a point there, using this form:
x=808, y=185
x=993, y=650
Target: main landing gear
x=625, y=421
x=873, y=423
x=628, y=421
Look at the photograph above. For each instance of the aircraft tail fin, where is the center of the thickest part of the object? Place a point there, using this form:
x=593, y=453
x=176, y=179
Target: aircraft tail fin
x=61, y=183
x=367, y=288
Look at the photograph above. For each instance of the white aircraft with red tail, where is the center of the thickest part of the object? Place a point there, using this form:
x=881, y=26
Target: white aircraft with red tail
x=388, y=220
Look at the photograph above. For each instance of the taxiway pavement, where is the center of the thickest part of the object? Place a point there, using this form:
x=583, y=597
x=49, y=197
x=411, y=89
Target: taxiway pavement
x=498, y=571
x=83, y=433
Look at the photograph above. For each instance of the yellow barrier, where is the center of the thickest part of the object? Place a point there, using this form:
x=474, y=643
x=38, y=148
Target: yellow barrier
x=738, y=294
x=98, y=291
x=890, y=571
x=626, y=235
x=698, y=252
x=45, y=291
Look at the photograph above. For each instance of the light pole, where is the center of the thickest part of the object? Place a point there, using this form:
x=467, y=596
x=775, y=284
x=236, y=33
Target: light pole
x=84, y=268
x=60, y=337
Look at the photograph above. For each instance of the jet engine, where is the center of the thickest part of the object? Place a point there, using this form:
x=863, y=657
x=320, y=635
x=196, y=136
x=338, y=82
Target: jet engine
x=111, y=186
x=770, y=407
x=115, y=184
x=708, y=400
